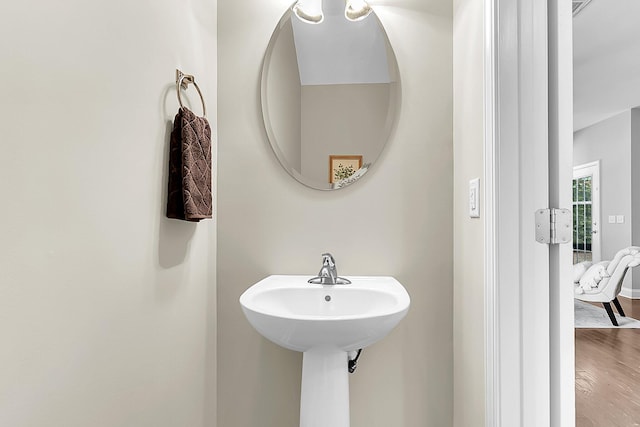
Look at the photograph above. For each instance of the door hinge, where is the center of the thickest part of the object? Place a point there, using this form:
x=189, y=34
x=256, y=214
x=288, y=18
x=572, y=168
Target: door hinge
x=553, y=226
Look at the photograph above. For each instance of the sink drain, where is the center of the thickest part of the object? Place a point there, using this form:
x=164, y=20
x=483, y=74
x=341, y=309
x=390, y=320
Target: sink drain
x=327, y=298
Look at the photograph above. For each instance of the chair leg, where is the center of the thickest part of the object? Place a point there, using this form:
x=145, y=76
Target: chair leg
x=618, y=306
x=612, y=316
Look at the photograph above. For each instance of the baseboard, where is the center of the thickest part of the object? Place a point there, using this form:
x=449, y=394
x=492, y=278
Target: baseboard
x=630, y=293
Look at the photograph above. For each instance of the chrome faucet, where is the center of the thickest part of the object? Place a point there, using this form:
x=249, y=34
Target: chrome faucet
x=328, y=274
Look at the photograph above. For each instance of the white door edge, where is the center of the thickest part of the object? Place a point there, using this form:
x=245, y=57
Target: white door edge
x=491, y=315
x=561, y=311
x=522, y=326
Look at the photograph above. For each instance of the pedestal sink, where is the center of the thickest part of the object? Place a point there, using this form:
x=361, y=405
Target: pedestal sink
x=325, y=322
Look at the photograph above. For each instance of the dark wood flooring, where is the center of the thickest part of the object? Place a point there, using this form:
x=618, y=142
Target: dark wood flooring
x=608, y=374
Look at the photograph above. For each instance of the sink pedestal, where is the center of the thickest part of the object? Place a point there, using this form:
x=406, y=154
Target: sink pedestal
x=324, y=399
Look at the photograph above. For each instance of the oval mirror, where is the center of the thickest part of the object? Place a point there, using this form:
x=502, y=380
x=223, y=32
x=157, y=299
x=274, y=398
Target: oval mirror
x=329, y=94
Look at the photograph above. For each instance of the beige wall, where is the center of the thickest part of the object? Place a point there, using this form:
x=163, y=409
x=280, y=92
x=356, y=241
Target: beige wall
x=468, y=301
x=397, y=220
x=103, y=301
x=349, y=119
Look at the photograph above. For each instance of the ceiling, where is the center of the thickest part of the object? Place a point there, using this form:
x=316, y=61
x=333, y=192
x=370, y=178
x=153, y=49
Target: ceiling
x=606, y=60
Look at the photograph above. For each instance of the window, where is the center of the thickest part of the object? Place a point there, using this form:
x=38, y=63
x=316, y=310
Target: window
x=582, y=219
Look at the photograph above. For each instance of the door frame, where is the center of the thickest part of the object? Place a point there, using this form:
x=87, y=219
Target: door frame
x=529, y=345
x=593, y=169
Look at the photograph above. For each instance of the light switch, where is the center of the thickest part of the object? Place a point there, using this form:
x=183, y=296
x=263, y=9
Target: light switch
x=474, y=198
x=620, y=219
x=612, y=219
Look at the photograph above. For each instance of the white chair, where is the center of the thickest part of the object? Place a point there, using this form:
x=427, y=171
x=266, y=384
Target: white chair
x=602, y=282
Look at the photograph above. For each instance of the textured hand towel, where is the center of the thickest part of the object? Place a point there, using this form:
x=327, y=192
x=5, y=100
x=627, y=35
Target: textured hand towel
x=190, y=196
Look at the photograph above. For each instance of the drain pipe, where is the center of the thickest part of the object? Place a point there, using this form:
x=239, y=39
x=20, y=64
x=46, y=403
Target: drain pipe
x=352, y=363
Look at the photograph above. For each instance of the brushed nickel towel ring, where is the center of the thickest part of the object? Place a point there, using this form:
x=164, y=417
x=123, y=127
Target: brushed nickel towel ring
x=183, y=81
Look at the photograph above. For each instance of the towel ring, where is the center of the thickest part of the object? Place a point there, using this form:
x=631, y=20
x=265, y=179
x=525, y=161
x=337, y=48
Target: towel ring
x=183, y=81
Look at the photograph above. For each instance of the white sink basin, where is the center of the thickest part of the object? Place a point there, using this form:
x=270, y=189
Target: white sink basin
x=325, y=322
x=299, y=316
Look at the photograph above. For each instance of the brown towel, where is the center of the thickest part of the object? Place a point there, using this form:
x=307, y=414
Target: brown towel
x=190, y=168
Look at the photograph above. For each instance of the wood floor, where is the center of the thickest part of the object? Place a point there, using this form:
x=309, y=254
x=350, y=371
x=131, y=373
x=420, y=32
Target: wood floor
x=608, y=374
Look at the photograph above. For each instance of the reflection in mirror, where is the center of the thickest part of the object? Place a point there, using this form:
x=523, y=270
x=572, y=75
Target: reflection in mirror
x=329, y=91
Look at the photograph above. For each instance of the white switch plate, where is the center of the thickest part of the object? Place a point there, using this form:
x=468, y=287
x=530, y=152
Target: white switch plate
x=620, y=219
x=612, y=219
x=474, y=198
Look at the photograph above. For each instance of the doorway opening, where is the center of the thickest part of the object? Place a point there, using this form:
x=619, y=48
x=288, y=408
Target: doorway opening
x=606, y=137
